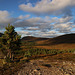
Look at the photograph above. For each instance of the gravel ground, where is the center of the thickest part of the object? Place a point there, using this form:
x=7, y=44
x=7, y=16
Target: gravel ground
x=46, y=67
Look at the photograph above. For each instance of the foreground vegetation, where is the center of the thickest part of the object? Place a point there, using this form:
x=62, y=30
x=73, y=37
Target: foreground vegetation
x=33, y=52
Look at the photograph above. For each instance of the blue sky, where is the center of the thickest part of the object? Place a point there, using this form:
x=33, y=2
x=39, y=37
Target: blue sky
x=39, y=18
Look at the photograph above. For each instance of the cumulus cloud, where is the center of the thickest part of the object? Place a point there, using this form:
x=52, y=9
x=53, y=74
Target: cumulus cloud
x=64, y=27
x=35, y=23
x=24, y=33
x=66, y=19
x=5, y=18
x=23, y=17
x=32, y=28
x=38, y=26
x=47, y=26
x=49, y=34
x=55, y=7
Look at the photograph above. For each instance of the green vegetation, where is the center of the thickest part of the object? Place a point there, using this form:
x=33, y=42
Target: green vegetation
x=33, y=52
x=10, y=42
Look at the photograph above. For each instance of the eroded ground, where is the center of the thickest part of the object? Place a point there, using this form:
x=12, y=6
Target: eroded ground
x=47, y=67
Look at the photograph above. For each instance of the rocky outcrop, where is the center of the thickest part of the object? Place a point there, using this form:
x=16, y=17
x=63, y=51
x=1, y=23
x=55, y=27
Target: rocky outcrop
x=44, y=67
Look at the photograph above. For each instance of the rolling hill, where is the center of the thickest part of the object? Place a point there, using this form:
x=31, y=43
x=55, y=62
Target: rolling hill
x=33, y=39
x=68, y=38
x=66, y=41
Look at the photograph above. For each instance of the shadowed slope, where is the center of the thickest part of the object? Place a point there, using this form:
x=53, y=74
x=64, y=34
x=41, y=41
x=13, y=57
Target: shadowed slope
x=64, y=39
x=61, y=42
x=33, y=39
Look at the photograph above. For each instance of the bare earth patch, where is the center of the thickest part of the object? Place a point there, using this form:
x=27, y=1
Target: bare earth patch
x=46, y=67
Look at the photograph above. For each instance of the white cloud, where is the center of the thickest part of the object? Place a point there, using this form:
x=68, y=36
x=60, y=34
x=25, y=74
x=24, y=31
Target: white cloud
x=23, y=17
x=63, y=27
x=52, y=32
x=49, y=34
x=23, y=33
x=48, y=6
x=4, y=13
x=38, y=26
x=5, y=18
x=47, y=26
x=34, y=23
x=32, y=28
x=66, y=19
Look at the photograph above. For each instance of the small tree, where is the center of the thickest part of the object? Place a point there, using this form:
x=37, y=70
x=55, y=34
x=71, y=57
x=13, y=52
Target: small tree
x=10, y=41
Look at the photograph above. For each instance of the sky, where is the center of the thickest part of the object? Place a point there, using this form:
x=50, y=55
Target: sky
x=39, y=18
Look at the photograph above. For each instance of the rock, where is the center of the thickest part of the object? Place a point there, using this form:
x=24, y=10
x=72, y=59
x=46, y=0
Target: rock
x=38, y=69
x=39, y=73
x=35, y=70
x=74, y=52
x=67, y=74
x=63, y=63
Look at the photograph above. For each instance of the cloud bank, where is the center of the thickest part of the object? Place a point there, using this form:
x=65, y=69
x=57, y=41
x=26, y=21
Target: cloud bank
x=56, y=17
x=54, y=7
x=6, y=19
x=46, y=27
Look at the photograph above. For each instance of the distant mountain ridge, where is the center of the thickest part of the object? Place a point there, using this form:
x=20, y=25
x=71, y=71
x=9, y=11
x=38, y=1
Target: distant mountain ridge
x=67, y=38
x=32, y=38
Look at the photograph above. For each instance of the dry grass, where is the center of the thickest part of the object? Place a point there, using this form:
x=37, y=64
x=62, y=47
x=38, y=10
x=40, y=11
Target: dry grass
x=64, y=56
x=58, y=46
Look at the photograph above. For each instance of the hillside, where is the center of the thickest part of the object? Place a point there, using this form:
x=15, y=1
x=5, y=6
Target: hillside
x=67, y=38
x=66, y=41
x=33, y=39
